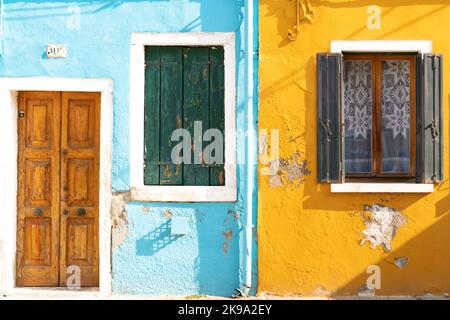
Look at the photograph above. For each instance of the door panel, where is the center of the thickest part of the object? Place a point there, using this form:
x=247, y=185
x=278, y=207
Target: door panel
x=80, y=138
x=37, y=256
x=58, y=161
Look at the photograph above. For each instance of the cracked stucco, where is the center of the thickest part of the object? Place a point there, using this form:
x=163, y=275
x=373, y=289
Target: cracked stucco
x=381, y=225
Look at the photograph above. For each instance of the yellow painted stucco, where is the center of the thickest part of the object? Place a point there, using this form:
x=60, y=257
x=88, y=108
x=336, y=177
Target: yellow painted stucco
x=309, y=238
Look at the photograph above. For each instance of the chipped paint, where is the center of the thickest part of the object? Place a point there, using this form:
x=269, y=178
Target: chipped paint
x=401, y=261
x=228, y=234
x=291, y=171
x=365, y=291
x=381, y=225
x=119, y=219
x=168, y=214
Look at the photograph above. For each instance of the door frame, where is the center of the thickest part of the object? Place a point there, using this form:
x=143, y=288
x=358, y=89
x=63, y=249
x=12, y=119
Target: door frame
x=9, y=88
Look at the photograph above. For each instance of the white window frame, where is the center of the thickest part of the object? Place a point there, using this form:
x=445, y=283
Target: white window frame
x=141, y=192
x=9, y=88
x=419, y=46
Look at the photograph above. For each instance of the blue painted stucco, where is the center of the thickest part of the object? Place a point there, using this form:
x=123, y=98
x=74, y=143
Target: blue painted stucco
x=210, y=259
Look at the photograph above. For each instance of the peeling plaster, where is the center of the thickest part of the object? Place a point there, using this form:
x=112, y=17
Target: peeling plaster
x=401, y=262
x=289, y=172
x=119, y=219
x=322, y=292
x=365, y=291
x=381, y=225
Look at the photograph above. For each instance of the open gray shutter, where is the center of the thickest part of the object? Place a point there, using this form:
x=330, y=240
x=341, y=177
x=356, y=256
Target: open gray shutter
x=429, y=119
x=330, y=148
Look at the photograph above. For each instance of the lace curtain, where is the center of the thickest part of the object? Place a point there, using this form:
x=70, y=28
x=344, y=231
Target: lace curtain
x=395, y=115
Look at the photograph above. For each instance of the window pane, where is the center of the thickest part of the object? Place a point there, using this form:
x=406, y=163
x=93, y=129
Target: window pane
x=395, y=108
x=358, y=116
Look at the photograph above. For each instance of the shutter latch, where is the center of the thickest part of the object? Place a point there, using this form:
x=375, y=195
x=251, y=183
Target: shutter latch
x=326, y=126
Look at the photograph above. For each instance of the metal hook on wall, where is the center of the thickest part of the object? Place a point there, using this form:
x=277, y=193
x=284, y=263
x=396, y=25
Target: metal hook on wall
x=297, y=27
x=305, y=6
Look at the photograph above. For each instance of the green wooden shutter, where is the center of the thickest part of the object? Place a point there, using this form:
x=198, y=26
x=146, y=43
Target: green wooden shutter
x=195, y=109
x=330, y=146
x=429, y=119
x=182, y=86
x=217, y=109
x=152, y=105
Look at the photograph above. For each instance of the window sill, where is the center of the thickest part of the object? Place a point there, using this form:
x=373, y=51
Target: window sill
x=381, y=188
x=184, y=194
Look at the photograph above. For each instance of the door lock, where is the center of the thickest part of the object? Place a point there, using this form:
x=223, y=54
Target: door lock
x=81, y=212
x=38, y=212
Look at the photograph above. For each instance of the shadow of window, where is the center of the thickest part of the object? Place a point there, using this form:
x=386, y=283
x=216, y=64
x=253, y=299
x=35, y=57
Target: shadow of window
x=155, y=240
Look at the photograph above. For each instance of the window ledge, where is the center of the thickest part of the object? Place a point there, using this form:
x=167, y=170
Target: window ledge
x=381, y=188
x=184, y=194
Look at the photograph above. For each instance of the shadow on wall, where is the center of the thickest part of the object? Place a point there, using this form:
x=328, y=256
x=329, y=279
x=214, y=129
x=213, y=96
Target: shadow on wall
x=413, y=265
x=286, y=17
x=209, y=252
x=214, y=16
x=155, y=240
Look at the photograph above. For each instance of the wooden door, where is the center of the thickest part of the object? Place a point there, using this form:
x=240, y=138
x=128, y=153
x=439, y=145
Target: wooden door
x=57, y=225
x=80, y=141
x=38, y=189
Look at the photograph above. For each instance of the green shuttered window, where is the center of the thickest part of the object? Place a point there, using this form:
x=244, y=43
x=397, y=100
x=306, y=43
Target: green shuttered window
x=184, y=89
x=379, y=117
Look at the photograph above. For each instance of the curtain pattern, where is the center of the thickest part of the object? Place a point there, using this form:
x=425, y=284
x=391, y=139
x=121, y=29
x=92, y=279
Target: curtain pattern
x=358, y=116
x=395, y=108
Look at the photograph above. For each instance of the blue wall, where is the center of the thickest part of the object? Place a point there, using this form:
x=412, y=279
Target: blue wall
x=148, y=261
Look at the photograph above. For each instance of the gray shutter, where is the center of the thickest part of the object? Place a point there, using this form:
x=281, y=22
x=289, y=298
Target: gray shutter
x=330, y=147
x=429, y=119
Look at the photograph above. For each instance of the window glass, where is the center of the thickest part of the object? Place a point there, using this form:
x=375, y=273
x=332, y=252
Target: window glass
x=358, y=116
x=395, y=109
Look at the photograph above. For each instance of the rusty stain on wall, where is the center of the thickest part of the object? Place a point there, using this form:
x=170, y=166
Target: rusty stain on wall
x=119, y=219
x=291, y=171
x=228, y=234
x=381, y=225
x=168, y=214
x=145, y=209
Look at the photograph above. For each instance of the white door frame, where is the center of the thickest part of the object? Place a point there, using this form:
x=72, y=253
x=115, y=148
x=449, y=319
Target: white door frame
x=9, y=88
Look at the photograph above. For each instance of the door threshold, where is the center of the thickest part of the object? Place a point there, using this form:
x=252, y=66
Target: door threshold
x=26, y=293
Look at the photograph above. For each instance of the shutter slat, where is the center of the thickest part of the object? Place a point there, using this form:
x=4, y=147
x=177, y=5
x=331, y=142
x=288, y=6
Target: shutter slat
x=196, y=108
x=171, y=112
x=152, y=115
x=330, y=148
x=431, y=119
x=217, y=108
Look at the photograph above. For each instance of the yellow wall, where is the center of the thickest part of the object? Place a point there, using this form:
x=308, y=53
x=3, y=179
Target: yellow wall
x=309, y=238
